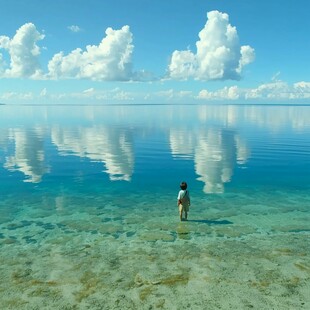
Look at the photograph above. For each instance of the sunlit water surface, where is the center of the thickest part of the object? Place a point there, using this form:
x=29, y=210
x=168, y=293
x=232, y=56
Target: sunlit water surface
x=88, y=214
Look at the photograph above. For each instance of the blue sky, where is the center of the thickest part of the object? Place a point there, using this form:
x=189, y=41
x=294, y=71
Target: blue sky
x=143, y=51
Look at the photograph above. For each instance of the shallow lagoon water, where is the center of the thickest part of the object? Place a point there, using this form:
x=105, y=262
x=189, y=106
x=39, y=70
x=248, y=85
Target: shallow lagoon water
x=88, y=216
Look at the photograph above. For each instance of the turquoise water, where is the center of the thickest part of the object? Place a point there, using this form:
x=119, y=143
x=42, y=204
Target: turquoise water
x=88, y=215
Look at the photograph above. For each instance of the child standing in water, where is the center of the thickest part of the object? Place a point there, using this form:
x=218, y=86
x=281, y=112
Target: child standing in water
x=183, y=200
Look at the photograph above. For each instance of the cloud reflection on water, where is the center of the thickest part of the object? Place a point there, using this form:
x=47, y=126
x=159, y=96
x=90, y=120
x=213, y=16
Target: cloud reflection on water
x=215, y=152
x=213, y=137
x=29, y=155
x=109, y=145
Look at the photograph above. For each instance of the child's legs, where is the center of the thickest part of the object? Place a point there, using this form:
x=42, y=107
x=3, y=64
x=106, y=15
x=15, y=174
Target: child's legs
x=181, y=211
x=186, y=209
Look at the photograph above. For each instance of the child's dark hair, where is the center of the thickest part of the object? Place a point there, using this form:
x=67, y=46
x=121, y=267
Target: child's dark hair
x=183, y=185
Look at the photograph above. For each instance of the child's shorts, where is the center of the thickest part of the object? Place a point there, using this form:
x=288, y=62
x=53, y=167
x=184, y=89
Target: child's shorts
x=183, y=208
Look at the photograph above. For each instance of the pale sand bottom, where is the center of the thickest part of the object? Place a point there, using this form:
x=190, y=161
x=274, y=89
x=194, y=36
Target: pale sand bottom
x=104, y=274
x=115, y=259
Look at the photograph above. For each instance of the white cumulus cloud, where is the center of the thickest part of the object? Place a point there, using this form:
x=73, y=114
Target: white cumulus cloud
x=275, y=91
x=74, y=28
x=110, y=60
x=302, y=90
x=219, y=55
x=24, y=53
x=230, y=93
x=280, y=90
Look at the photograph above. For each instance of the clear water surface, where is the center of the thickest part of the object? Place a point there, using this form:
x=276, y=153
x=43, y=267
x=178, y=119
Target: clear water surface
x=88, y=215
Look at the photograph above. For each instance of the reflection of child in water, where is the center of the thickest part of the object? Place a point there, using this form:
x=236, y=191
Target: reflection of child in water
x=184, y=200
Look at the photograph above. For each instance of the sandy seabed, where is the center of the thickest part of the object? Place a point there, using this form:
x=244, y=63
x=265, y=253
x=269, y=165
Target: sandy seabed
x=75, y=258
